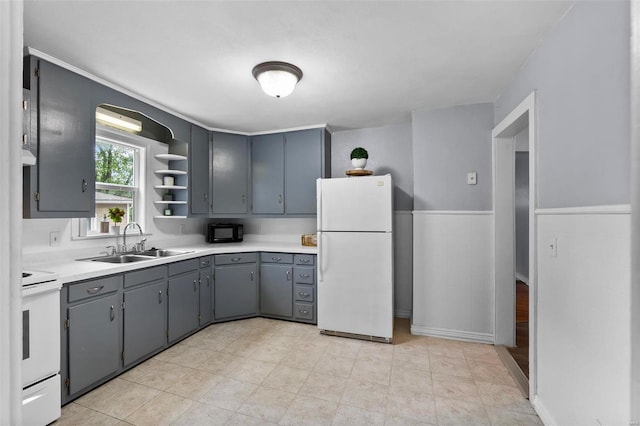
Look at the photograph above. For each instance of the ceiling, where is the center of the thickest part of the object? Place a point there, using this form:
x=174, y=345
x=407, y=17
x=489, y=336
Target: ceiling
x=365, y=63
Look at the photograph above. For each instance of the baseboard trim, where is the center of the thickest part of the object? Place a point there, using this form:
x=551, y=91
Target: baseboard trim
x=605, y=209
x=402, y=313
x=453, y=212
x=542, y=412
x=467, y=336
x=517, y=374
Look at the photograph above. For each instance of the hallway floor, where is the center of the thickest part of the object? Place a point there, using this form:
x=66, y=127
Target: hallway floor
x=520, y=352
x=267, y=372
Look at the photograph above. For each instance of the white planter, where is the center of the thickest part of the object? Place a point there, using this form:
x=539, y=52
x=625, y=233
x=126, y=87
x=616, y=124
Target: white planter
x=115, y=229
x=358, y=163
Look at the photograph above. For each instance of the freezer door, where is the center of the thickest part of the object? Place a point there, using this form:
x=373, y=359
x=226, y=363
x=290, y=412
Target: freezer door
x=355, y=283
x=355, y=204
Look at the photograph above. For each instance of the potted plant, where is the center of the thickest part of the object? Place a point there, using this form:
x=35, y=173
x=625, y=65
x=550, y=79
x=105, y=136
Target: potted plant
x=359, y=158
x=116, y=214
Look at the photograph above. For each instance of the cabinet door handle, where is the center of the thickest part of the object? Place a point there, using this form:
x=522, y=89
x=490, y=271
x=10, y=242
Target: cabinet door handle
x=113, y=313
x=301, y=294
x=160, y=297
x=243, y=198
x=236, y=259
x=85, y=185
x=94, y=290
x=304, y=275
x=195, y=285
x=251, y=275
x=276, y=259
x=208, y=281
x=205, y=196
x=279, y=198
x=288, y=275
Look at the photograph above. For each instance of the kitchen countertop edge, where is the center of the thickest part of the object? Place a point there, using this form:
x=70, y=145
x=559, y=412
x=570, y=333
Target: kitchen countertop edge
x=80, y=270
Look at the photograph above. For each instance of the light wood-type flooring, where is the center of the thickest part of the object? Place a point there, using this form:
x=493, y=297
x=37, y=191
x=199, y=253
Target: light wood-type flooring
x=520, y=352
x=268, y=372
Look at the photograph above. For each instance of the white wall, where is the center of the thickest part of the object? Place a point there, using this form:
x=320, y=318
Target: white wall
x=453, y=292
x=584, y=348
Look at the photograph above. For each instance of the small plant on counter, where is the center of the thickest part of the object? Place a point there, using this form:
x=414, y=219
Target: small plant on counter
x=116, y=214
x=359, y=152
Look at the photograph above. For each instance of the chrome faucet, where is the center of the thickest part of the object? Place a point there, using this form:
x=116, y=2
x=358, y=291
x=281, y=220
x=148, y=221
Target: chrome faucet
x=124, y=236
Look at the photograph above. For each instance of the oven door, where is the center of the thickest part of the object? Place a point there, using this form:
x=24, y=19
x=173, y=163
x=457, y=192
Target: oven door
x=40, y=331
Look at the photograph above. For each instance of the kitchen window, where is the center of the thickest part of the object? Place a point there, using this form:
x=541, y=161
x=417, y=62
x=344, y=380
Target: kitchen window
x=119, y=168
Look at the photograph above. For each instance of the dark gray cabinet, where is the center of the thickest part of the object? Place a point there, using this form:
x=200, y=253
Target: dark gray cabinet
x=144, y=313
x=199, y=166
x=267, y=174
x=206, y=290
x=93, y=327
x=229, y=173
x=184, y=299
x=285, y=167
x=235, y=286
x=62, y=183
x=276, y=285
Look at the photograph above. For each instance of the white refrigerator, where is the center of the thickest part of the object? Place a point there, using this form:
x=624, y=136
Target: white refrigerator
x=355, y=257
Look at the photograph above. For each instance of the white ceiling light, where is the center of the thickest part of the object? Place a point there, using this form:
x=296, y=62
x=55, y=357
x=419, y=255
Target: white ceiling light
x=113, y=119
x=277, y=79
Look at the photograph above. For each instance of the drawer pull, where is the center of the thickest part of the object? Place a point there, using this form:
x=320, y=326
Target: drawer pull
x=276, y=259
x=112, y=315
x=236, y=259
x=303, y=312
x=304, y=260
x=301, y=294
x=304, y=275
x=94, y=290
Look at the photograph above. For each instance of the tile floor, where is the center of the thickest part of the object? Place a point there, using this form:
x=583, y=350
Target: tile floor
x=267, y=372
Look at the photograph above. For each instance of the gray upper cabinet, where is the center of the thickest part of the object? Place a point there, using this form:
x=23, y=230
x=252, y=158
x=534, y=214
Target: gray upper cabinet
x=199, y=162
x=285, y=167
x=229, y=173
x=62, y=182
x=267, y=174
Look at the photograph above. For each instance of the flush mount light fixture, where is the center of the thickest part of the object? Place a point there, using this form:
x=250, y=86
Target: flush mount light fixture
x=277, y=79
x=113, y=119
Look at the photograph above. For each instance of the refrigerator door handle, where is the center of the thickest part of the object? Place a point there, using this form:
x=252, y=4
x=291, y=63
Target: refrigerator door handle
x=319, y=204
x=320, y=256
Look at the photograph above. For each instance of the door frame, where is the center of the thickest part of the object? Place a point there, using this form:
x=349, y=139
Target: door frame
x=503, y=151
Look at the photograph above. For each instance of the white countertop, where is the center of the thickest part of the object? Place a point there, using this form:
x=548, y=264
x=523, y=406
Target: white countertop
x=76, y=270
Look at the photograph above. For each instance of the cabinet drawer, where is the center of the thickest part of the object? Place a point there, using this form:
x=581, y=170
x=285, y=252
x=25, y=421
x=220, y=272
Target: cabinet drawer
x=183, y=266
x=305, y=259
x=303, y=293
x=304, y=275
x=144, y=276
x=205, y=262
x=276, y=257
x=87, y=289
x=303, y=311
x=230, y=259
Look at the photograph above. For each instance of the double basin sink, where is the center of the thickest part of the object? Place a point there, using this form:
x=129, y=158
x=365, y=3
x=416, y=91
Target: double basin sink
x=136, y=257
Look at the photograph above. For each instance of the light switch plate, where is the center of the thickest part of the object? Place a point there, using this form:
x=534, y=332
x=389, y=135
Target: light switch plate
x=54, y=238
x=472, y=178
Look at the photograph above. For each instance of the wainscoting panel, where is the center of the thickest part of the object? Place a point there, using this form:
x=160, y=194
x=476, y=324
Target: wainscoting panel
x=453, y=280
x=583, y=352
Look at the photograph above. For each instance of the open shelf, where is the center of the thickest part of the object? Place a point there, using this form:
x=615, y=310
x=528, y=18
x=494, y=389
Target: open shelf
x=170, y=202
x=176, y=165
x=173, y=157
x=169, y=217
x=170, y=172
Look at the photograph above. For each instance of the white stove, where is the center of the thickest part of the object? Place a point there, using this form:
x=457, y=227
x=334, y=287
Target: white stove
x=41, y=397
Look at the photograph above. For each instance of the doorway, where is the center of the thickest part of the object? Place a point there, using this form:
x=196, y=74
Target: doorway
x=512, y=261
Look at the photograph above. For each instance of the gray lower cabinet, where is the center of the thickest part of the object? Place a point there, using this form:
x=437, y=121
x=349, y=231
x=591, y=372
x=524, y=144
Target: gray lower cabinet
x=276, y=285
x=235, y=286
x=93, y=330
x=145, y=320
x=206, y=290
x=304, y=294
x=184, y=299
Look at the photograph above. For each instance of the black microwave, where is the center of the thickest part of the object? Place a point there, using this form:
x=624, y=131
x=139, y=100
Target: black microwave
x=224, y=232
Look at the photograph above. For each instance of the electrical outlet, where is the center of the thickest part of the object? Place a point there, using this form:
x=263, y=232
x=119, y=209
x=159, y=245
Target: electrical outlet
x=553, y=247
x=472, y=178
x=54, y=238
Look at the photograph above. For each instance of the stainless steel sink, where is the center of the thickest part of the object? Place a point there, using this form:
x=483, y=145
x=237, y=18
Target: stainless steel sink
x=136, y=257
x=162, y=252
x=120, y=258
